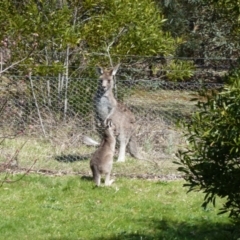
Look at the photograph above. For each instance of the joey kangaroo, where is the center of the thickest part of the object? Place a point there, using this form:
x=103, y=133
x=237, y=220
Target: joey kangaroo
x=102, y=159
x=106, y=106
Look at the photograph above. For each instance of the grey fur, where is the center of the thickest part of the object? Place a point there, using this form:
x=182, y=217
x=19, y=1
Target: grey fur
x=102, y=160
x=106, y=106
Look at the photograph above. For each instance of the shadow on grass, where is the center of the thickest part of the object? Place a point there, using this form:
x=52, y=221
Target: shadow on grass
x=72, y=158
x=87, y=178
x=169, y=230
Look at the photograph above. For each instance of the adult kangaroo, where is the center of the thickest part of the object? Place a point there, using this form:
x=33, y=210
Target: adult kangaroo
x=106, y=106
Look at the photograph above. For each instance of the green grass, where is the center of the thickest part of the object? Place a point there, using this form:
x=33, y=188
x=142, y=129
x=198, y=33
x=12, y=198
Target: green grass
x=70, y=207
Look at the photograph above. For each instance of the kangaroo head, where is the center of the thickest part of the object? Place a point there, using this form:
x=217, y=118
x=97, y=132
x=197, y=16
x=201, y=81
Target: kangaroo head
x=106, y=77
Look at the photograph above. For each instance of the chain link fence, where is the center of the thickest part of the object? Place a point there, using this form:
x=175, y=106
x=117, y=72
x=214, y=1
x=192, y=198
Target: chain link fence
x=48, y=117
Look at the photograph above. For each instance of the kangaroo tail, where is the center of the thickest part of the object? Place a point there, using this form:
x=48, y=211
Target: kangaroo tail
x=90, y=142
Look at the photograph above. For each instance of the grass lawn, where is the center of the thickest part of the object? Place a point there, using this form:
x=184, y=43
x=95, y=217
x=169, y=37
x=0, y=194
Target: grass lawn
x=70, y=207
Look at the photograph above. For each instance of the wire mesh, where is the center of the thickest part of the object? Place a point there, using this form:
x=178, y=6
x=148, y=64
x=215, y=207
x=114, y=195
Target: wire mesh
x=50, y=116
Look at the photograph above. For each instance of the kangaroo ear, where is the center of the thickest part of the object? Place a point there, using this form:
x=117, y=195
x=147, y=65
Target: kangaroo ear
x=115, y=69
x=99, y=70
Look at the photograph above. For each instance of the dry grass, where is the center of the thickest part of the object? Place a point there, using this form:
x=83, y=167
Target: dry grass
x=157, y=113
x=62, y=149
x=170, y=105
x=75, y=160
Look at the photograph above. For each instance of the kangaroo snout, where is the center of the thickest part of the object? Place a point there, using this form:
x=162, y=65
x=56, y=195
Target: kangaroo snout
x=104, y=88
x=105, y=85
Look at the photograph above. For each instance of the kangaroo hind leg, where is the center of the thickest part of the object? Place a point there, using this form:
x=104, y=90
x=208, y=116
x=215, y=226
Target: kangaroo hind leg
x=108, y=181
x=96, y=175
x=122, y=151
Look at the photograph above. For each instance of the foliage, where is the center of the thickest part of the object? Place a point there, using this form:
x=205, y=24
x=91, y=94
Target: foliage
x=206, y=31
x=211, y=161
x=230, y=10
x=28, y=27
x=234, y=73
x=108, y=27
x=126, y=28
x=179, y=70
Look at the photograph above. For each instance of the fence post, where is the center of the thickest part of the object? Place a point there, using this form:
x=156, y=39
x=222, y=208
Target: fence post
x=36, y=104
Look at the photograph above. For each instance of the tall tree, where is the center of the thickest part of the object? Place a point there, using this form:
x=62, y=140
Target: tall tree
x=209, y=28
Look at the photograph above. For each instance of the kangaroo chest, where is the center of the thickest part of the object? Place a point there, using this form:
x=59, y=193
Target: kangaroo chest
x=103, y=106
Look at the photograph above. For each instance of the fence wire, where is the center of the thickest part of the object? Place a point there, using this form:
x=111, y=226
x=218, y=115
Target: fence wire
x=50, y=116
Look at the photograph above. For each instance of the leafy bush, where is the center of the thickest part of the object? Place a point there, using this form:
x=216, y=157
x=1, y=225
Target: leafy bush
x=179, y=70
x=211, y=162
x=127, y=27
x=210, y=28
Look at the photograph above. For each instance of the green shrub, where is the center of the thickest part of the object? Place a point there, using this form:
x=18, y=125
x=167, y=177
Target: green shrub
x=211, y=162
x=179, y=70
x=128, y=27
